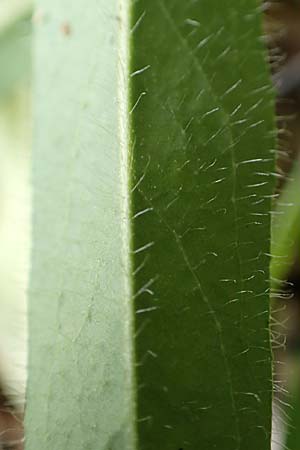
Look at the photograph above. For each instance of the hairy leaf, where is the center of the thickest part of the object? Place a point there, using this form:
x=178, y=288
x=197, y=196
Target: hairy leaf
x=152, y=178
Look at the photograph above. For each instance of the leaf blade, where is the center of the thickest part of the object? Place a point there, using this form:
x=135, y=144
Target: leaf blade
x=200, y=290
x=195, y=157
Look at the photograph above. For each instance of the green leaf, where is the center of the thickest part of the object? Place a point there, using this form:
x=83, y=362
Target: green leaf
x=285, y=227
x=149, y=307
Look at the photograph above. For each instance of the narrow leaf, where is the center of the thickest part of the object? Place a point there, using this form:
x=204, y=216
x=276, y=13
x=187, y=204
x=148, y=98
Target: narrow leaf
x=149, y=305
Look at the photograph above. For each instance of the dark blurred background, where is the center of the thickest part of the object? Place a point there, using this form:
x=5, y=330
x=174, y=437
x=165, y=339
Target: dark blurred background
x=282, y=37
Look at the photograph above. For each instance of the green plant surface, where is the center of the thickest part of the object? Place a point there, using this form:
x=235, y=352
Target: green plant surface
x=285, y=227
x=149, y=305
x=12, y=10
x=15, y=43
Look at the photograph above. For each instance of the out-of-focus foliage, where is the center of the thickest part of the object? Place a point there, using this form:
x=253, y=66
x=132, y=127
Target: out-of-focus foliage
x=15, y=62
x=293, y=429
x=15, y=43
x=14, y=240
x=12, y=10
x=282, y=26
x=286, y=228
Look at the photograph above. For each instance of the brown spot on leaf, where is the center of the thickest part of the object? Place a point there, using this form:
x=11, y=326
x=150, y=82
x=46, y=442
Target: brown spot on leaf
x=66, y=28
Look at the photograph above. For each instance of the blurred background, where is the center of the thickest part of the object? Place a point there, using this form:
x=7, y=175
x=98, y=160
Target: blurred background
x=281, y=23
x=282, y=37
x=15, y=132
